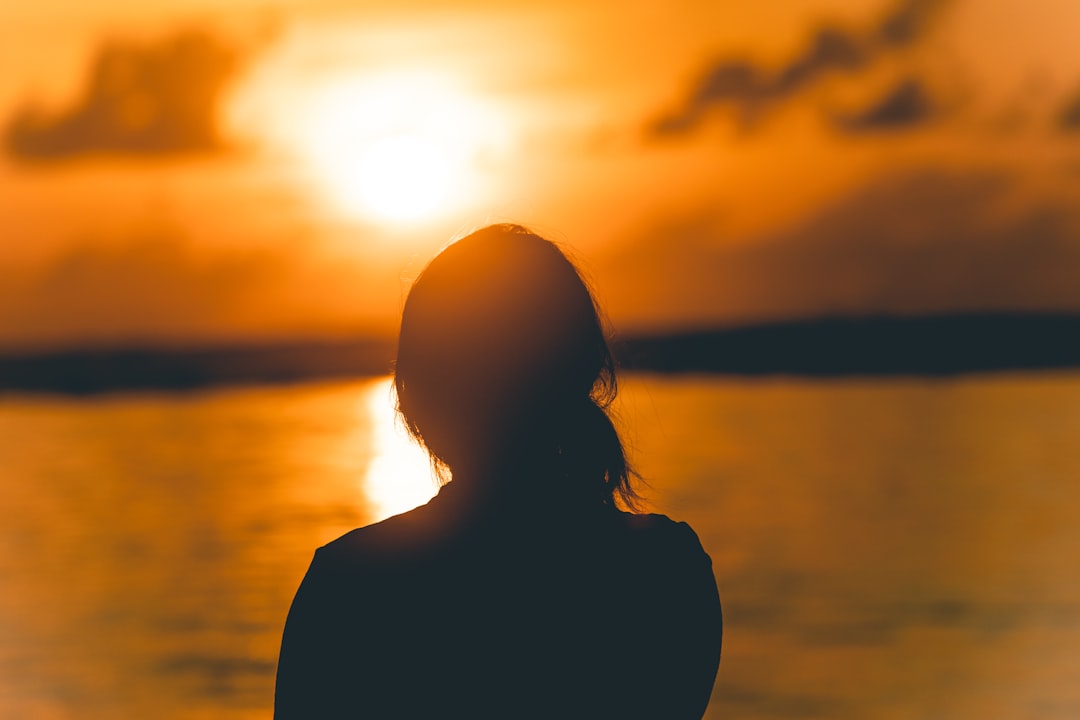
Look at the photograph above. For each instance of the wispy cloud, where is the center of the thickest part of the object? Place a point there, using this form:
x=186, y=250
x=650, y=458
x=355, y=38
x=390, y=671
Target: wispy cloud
x=152, y=99
x=907, y=243
x=162, y=287
x=749, y=91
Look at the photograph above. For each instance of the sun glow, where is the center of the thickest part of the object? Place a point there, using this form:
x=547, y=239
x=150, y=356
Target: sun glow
x=400, y=476
x=394, y=148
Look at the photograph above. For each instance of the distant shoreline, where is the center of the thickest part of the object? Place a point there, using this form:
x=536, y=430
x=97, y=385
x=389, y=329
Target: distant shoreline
x=829, y=347
x=839, y=346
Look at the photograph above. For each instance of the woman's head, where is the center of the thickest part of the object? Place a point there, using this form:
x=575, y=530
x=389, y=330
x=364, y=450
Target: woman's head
x=503, y=365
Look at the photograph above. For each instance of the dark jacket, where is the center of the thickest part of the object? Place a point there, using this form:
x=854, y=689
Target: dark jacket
x=454, y=611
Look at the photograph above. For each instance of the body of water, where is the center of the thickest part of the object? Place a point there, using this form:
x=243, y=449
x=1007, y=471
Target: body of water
x=890, y=548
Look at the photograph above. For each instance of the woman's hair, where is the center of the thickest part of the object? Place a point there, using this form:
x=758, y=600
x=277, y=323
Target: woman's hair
x=504, y=371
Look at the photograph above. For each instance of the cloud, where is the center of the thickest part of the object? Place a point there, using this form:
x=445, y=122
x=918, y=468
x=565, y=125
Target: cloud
x=907, y=104
x=1069, y=117
x=910, y=243
x=907, y=22
x=155, y=99
x=161, y=287
x=750, y=91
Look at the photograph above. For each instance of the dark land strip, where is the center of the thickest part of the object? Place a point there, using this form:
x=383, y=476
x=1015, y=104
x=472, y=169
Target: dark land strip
x=872, y=346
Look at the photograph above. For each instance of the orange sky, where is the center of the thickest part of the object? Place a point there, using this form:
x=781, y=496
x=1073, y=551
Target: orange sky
x=708, y=162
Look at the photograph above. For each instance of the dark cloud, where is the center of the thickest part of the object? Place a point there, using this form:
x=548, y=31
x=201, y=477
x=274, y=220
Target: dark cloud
x=152, y=99
x=920, y=242
x=1069, y=117
x=831, y=49
x=907, y=22
x=741, y=86
x=905, y=105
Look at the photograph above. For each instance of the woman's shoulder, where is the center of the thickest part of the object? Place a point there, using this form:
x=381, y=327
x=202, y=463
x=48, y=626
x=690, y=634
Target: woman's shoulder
x=656, y=525
x=658, y=534
x=387, y=541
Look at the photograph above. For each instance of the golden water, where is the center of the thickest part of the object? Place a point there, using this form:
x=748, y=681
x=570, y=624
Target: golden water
x=884, y=549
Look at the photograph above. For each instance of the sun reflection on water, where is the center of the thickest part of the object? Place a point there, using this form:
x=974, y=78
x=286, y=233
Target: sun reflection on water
x=399, y=476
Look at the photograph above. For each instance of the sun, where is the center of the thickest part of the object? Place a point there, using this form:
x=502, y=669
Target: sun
x=398, y=177
x=403, y=176
x=393, y=149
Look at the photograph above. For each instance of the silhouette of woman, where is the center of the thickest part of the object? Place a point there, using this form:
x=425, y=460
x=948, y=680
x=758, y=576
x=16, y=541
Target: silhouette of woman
x=521, y=590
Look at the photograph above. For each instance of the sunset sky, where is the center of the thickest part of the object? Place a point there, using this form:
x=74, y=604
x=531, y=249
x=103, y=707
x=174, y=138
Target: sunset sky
x=176, y=172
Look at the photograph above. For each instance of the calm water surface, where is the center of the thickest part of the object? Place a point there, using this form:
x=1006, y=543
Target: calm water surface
x=884, y=549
